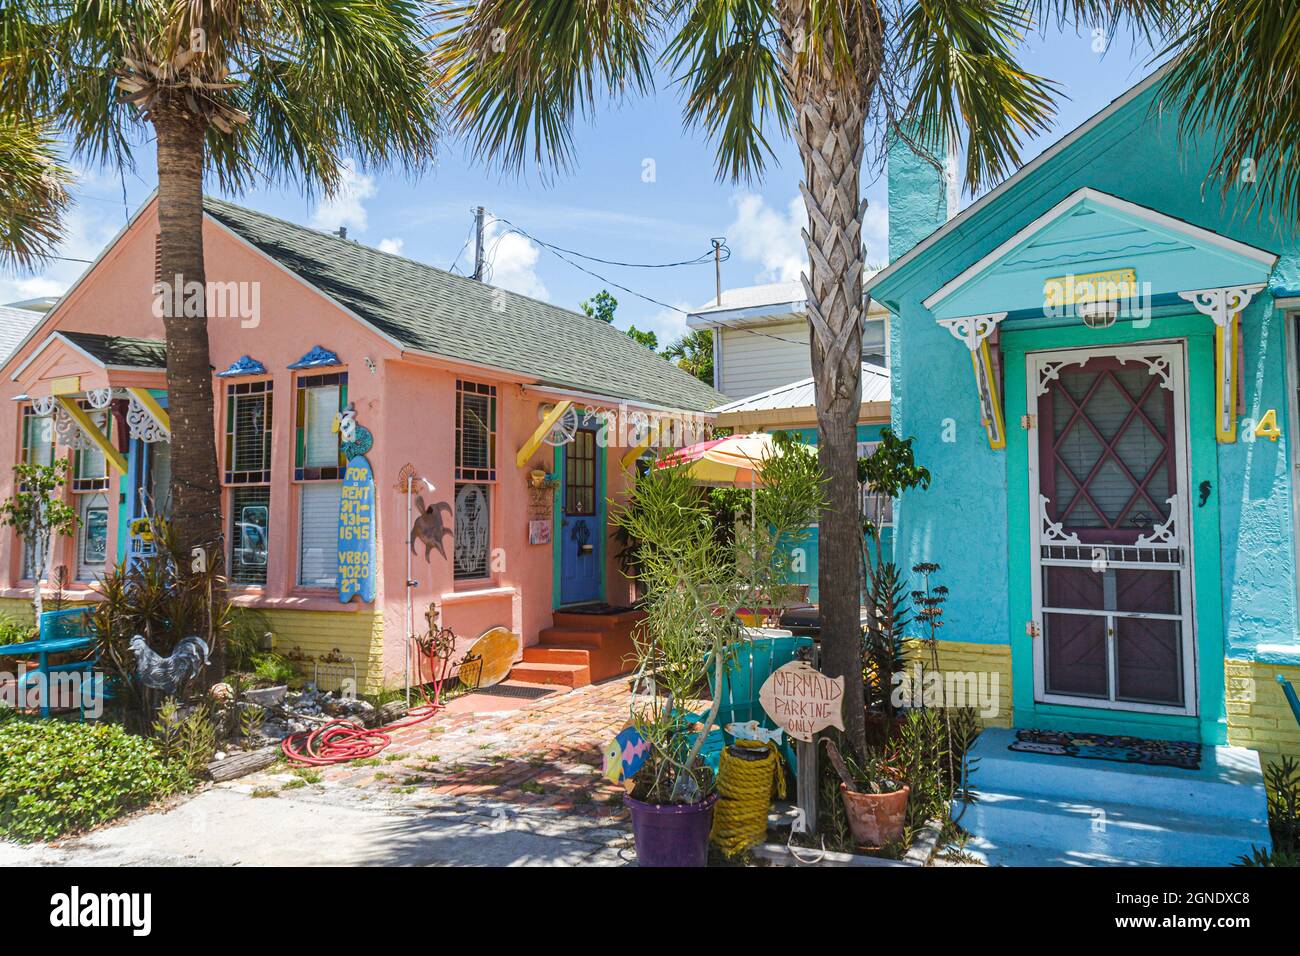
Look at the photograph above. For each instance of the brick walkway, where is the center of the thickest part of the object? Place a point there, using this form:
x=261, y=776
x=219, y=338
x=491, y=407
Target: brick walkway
x=545, y=754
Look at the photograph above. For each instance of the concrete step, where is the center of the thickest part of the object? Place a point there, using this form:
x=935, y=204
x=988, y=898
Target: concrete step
x=546, y=654
x=1110, y=831
x=1229, y=784
x=563, y=675
x=1019, y=854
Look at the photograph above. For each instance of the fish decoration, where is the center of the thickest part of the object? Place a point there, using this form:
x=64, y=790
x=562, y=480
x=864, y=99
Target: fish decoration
x=753, y=730
x=625, y=755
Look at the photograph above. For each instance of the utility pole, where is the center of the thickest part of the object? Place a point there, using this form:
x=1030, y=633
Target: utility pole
x=717, y=265
x=478, y=244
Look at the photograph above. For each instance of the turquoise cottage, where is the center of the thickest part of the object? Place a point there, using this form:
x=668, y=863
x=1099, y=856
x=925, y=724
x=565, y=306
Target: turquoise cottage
x=1098, y=362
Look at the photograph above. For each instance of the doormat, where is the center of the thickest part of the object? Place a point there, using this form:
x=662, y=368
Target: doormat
x=519, y=691
x=1155, y=753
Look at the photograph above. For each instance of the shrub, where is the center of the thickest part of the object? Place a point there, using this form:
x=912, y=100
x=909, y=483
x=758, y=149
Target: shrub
x=57, y=777
x=15, y=632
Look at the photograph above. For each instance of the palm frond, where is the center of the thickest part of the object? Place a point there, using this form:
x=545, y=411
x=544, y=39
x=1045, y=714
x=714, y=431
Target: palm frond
x=33, y=193
x=732, y=75
x=1234, y=82
x=517, y=73
x=959, y=57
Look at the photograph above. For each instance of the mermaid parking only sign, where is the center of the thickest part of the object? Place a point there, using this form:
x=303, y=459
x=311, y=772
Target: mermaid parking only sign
x=357, y=532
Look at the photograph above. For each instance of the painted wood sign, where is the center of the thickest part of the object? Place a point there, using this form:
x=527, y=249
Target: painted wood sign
x=802, y=700
x=357, y=568
x=490, y=658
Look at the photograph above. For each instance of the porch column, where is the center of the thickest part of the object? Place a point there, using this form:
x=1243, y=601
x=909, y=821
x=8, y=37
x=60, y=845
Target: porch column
x=974, y=332
x=1224, y=306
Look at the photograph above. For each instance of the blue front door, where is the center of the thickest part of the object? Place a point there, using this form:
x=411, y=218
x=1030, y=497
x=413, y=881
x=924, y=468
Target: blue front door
x=581, y=532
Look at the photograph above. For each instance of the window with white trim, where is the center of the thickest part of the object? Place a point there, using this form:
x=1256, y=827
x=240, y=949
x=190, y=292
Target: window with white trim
x=875, y=341
x=38, y=449
x=476, y=458
x=92, y=535
x=874, y=506
x=318, y=469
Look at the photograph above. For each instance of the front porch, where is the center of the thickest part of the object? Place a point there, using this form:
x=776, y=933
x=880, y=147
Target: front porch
x=1042, y=809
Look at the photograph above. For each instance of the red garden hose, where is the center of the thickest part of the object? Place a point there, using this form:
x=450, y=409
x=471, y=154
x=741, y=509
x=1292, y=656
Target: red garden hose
x=342, y=740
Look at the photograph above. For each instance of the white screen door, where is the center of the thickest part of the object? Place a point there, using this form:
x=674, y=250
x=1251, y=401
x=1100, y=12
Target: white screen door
x=1110, y=548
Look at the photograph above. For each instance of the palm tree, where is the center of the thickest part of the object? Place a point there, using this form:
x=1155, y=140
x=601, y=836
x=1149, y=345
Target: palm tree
x=33, y=193
x=838, y=76
x=249, y=91
x=693, y=352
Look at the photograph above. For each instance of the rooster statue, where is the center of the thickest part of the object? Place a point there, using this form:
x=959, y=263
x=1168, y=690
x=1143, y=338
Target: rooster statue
x=169, y=674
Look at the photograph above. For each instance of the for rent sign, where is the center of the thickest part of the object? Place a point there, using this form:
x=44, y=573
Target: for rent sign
x=802, y=700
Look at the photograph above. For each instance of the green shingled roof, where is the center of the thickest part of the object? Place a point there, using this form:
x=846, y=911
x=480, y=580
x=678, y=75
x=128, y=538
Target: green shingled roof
x=120, y=350
x=434, y=311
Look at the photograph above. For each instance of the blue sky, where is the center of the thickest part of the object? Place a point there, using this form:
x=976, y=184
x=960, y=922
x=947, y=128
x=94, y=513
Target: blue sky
x=607, y=206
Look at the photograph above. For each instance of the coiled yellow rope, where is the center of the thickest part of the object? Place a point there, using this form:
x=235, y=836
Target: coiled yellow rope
x=745, y=796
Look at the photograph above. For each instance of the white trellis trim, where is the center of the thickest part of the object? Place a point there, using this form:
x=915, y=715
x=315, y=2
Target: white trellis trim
x=1158, y=365
x=70, y=432
x=973, y=329
x=142, y=426
x=1049, y=372
x=1165, y=535
x=1221, y=304
x=1053, y=532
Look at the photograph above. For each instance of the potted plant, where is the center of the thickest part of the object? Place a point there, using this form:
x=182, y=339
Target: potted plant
x=693, y=591
x=874, y=796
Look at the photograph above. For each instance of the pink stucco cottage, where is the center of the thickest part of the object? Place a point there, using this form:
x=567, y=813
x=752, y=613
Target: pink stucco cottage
x=512, y=420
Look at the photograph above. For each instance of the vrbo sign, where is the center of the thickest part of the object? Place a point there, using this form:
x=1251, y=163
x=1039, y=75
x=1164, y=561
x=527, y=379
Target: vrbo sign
x=802, y=700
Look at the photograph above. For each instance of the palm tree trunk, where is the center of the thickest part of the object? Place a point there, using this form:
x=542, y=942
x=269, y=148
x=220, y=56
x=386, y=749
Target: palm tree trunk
x=196, y=488
x=829, y=130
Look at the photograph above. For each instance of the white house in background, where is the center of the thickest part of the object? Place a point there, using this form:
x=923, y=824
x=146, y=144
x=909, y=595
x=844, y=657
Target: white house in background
x=15, y=322
x=760, y=338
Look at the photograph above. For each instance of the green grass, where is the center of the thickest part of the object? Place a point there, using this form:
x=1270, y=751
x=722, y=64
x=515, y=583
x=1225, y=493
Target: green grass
x=260, y=793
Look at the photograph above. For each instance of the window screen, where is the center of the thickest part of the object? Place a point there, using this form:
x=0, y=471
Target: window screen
x=476, y=425
x=250, y=517
x=472, y=531
x=38, y=438
x=248, y=432
x=318, y=534
x=92, y=536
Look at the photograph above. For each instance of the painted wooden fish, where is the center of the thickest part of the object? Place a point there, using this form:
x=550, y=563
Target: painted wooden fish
x=625, y=754
x=802, y=700
x=753, y=730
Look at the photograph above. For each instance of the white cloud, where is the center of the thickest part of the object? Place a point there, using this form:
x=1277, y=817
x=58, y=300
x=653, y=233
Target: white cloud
x=512, y=261
x=768, y=236
x=393, y=246
x=347, y=206
x=88, y=228
x=772, y=238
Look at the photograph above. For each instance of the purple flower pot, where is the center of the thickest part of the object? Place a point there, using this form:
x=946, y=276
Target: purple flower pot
x=672, y=834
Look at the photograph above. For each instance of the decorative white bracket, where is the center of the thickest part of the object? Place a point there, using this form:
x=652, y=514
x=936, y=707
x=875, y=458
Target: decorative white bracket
x=1163, y=535
x=1224, y=306
x=974, y=332
x=146, y=420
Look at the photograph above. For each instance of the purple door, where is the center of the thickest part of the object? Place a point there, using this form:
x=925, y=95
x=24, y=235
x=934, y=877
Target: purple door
x=1111, y=561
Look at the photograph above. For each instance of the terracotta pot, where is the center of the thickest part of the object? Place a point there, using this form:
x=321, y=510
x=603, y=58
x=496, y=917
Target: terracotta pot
x=876, y=818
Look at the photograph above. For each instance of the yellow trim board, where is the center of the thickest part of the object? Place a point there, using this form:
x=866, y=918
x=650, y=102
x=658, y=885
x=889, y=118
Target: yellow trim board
x=982, y=362
x=91, y=430
x=145, y=398
x=635, y=452
x=1225, y=379
x=535, y=440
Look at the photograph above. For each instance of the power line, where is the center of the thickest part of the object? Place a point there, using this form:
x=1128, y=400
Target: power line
x=558, y=250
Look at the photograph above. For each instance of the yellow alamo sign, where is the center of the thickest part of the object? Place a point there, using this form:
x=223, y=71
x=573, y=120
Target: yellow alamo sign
x=1113, y=285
